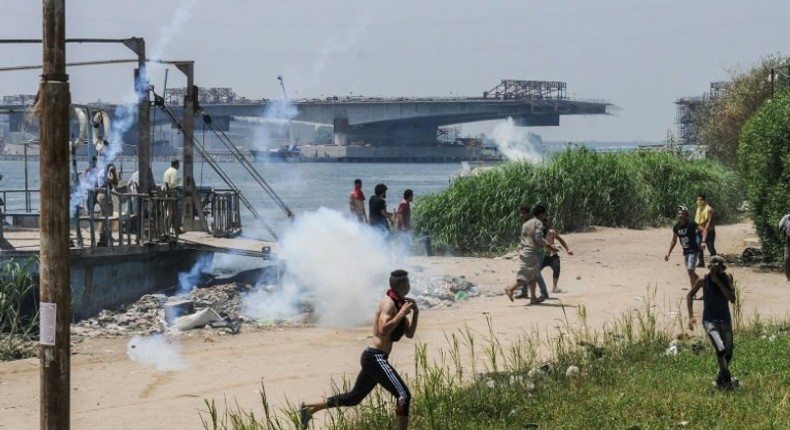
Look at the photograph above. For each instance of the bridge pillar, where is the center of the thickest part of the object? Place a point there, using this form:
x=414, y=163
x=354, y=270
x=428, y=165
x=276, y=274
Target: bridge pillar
x=341, y=129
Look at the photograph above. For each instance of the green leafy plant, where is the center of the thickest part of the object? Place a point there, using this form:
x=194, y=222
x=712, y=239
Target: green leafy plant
x=581, y=188
x=764, y=155
x=17, y=324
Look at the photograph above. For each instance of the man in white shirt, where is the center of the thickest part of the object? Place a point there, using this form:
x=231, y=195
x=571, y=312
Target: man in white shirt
x=170, y=180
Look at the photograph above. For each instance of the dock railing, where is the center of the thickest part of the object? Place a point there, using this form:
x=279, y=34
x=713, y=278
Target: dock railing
x=129, y=218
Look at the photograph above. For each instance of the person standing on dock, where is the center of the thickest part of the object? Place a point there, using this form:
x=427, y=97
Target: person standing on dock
x=377, y=206
x=170, y=180
x=356, y=202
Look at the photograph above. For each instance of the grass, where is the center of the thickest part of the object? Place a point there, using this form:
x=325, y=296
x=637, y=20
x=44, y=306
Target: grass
x=16, y=327
x=627, y=380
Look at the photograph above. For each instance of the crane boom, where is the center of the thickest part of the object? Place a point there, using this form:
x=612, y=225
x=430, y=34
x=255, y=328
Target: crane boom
x=291, y=144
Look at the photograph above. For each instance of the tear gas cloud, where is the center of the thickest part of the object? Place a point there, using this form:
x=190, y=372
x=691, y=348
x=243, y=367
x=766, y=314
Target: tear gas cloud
x=156, y=351
x=515, y=143
x=187, y=280
x=337, y=265
x=273, y=123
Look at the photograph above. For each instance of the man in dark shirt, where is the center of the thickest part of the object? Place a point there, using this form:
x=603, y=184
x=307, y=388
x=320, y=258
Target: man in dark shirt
x=377, y=210
x=686, y=231
x=718, y=293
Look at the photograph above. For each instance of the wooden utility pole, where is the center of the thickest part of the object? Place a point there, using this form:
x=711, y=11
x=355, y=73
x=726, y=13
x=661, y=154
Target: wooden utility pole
x=53, y=104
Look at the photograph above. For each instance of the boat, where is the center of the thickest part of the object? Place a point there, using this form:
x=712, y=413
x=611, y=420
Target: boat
x=284, y=153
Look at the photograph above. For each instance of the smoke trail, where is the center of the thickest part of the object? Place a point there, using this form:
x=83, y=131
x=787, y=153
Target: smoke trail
x=187, y=280
x=516, y=144
x=273, y=123
x=334, y=264
x=126, y=112
x=156, y=351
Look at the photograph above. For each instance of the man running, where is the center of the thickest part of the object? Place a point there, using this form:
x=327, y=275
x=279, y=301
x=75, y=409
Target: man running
x=686, y=231
x=717, y=291
x=552, y=259
x=389, y=325
x=531, y=246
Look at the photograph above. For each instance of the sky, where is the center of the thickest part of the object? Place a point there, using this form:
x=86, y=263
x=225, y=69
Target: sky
x=639, y=55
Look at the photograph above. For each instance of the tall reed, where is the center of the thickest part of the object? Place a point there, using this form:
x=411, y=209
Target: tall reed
x=581, y=188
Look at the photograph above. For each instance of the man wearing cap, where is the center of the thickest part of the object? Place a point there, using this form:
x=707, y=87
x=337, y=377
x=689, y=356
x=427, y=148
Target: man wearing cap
x=686, y=231
x=718, y=292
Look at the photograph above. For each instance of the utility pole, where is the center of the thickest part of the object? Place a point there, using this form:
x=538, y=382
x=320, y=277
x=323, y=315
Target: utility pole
x=190, y=191
x=53, y=104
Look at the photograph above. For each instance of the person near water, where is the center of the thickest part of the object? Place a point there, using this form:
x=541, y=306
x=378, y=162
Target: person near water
x=377, y=210
x=390, y=324
x=718, y=292
x=171, y=182
x=706, y=232
x=170, y=179
x=531, y=246
x=685, y=231
x=356, y=202
x=403, y=220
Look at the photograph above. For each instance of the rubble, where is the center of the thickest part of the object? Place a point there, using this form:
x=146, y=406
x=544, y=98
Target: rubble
x=148, y=315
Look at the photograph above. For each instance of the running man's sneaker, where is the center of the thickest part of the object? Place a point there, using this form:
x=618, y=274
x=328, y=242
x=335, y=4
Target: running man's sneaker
x=557, y=290
x=304, y=416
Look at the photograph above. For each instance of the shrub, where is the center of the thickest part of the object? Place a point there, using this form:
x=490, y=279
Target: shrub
x=764, y=160
x=581, y=188
x=16, y=325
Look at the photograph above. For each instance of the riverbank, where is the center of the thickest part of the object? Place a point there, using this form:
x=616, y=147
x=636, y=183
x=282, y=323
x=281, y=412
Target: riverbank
x=612, y=271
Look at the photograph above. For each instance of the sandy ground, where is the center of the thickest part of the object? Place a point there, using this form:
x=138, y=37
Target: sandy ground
x=611, y=272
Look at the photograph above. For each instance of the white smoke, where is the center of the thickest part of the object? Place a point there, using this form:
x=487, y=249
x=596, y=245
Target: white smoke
x=187, y=280
x=334, y=46
x=336, y=265
x=274, y=123
x=169, y=30
x=156, y=351
x=515, y=143
x=126, y=111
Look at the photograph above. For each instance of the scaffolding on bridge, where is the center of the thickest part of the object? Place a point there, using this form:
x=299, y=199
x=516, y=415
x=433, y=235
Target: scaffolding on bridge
x=510, y=89
x=687, y=108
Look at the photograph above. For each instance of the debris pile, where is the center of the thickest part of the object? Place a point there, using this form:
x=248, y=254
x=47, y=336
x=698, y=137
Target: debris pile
x=220, y=305
x=443, y=291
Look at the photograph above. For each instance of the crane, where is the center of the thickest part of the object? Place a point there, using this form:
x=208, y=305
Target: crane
x=291, y=144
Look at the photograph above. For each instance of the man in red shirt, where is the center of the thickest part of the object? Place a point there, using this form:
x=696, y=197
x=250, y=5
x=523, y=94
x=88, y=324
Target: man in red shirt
x=403, y=221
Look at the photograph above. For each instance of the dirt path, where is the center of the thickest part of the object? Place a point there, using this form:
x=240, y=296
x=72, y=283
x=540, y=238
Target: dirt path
x=611, y=272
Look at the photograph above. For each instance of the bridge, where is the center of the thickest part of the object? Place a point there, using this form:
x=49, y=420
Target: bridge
x=407, y=121
x=399, y=121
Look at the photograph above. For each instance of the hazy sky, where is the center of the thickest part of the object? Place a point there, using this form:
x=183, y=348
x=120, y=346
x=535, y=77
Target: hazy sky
x=640, y=55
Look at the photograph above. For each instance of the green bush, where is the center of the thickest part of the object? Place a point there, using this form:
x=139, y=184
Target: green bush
x=16, y=328
x=581, y=188
x=764, y=159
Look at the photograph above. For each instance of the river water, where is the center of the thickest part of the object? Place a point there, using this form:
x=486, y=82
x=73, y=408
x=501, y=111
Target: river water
x=304, y=187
